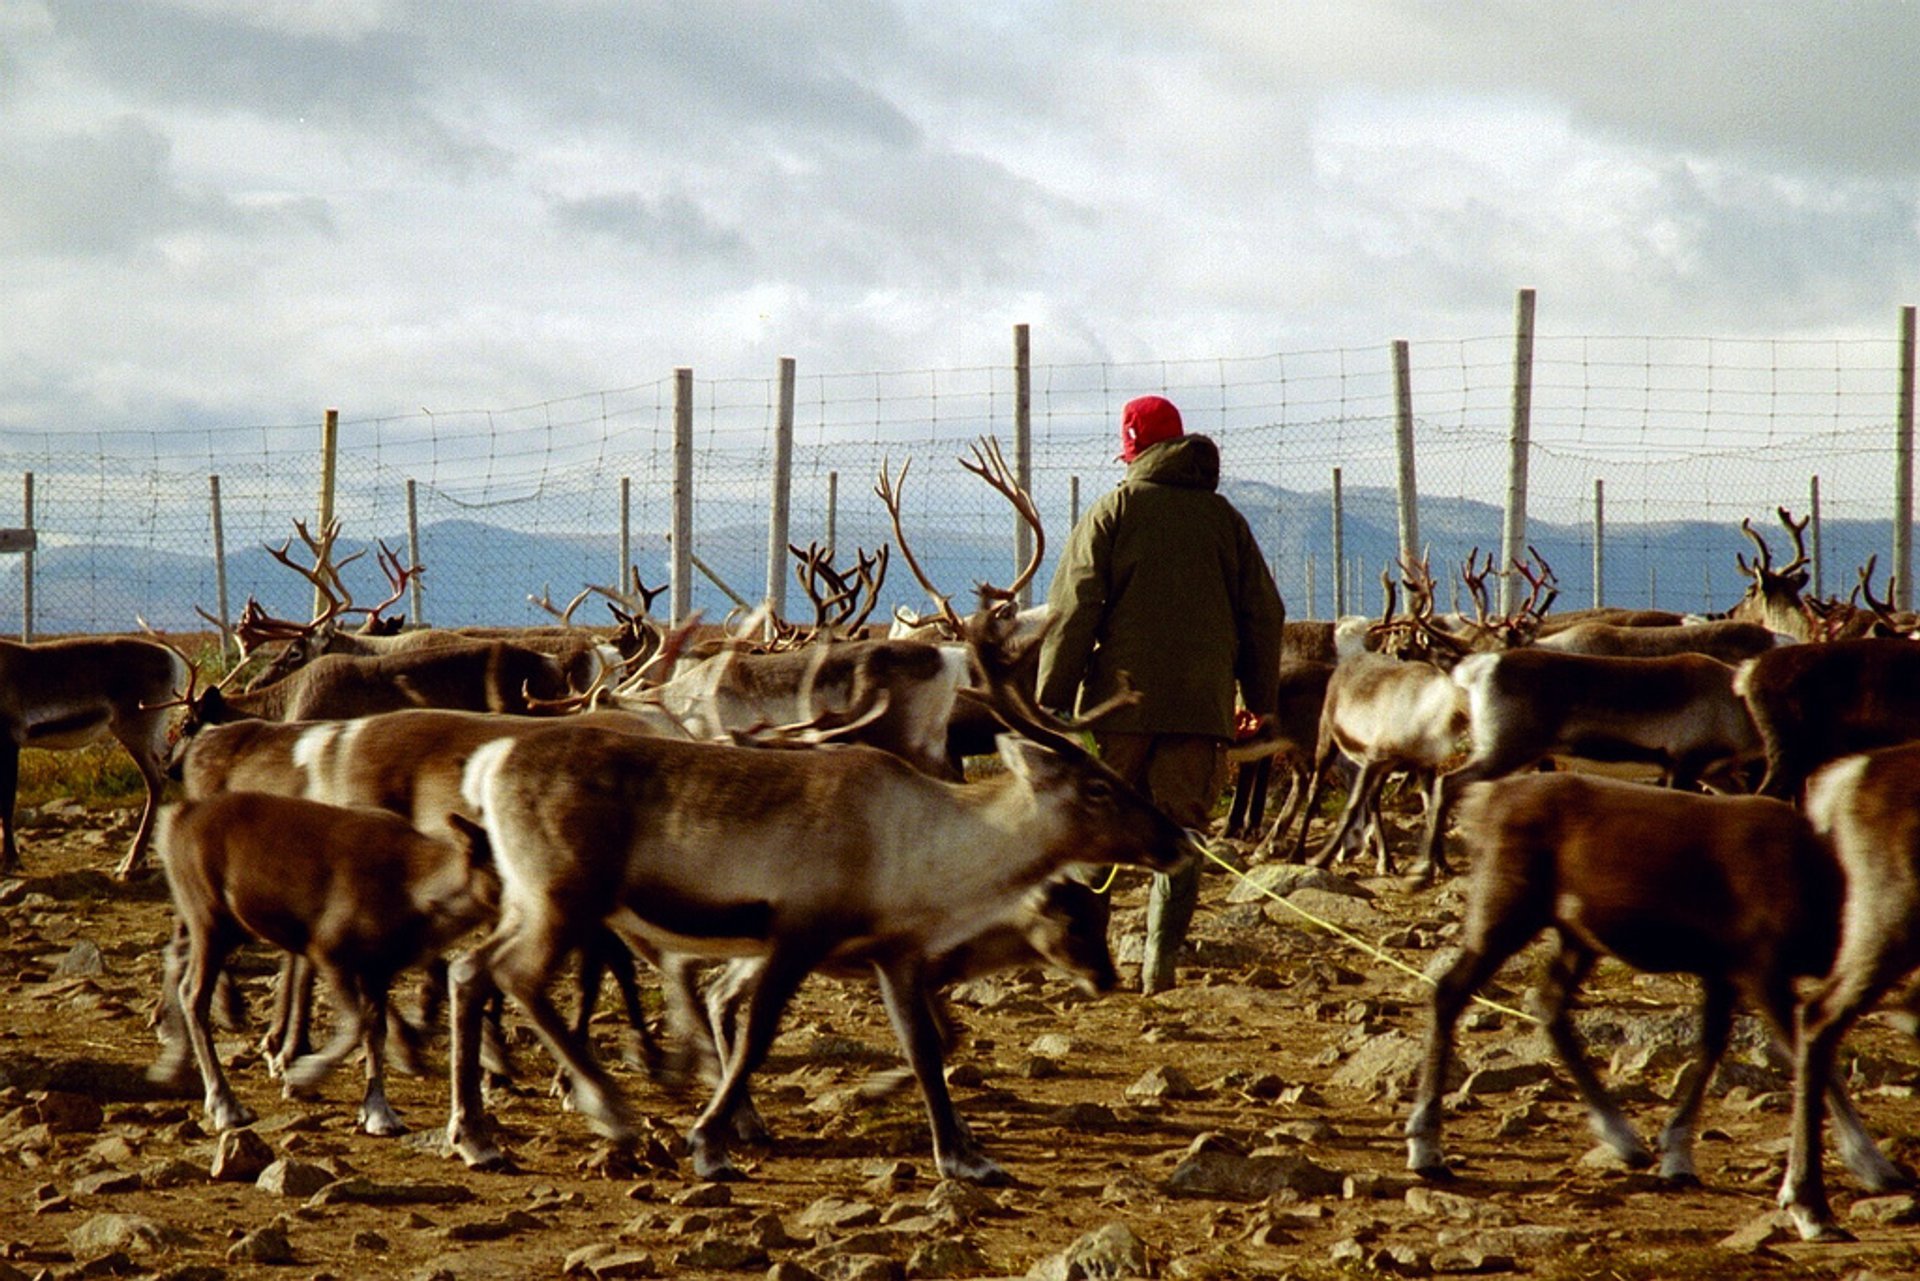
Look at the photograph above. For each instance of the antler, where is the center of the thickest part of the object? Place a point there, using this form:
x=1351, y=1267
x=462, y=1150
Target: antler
x=397, y=576
x=887, y=489
x=544, y=601
x=990, y=465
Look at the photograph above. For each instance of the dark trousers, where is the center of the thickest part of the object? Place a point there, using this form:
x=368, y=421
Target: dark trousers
x=1183, y=774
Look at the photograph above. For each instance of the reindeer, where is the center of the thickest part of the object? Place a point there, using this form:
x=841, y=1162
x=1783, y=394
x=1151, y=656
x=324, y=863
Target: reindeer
x=358, y=894
x=1865, y=805
x=1679, y=712
x=1728, y=640
x=1737, y=890
x=1400, y=709
x=1773, y=599
x=787, y=855
x=67, y=693
x=1813, y=703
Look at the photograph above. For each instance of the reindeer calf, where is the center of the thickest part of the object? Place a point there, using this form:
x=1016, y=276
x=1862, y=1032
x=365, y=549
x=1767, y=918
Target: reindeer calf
x=1737, y=890
x=1813, y=703
x=359, y=894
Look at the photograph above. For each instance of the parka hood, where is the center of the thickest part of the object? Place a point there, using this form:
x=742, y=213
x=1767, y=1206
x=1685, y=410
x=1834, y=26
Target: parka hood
x=1190, y=462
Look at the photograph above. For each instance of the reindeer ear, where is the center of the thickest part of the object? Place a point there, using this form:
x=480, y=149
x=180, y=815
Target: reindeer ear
x=480, y=851
x=1027, y=758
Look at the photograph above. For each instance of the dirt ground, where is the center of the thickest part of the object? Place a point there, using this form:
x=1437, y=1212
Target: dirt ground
x=1282, y=1043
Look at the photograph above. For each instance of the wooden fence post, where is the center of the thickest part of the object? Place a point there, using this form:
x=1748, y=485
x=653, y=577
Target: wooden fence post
x=329, y=456
x=1903, y=469
x=1409, y=494
x=220, y=566
x=780, y=514
x=682, y=573
x=1813, y=521
x=1599, y=542
x=416, y=592
x=1339, y=551
x=1513, y=540
x=1022, y=449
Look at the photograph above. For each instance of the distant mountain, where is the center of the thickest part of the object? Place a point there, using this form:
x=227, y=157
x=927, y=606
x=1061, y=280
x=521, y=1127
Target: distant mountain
x=481, y=573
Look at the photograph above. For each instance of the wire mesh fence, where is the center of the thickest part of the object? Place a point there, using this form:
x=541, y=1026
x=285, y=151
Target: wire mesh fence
x=1689, y=436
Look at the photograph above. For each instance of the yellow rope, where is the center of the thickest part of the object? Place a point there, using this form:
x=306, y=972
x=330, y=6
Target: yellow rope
x=1350, y=937
x=1113, y=870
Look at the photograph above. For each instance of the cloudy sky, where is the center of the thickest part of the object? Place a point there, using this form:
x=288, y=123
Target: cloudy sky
x=237, y=211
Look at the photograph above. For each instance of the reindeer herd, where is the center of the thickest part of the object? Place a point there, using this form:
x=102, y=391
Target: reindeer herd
x=744, y=804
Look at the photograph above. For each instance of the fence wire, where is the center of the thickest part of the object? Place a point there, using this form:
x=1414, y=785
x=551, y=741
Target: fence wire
x=1688, y=435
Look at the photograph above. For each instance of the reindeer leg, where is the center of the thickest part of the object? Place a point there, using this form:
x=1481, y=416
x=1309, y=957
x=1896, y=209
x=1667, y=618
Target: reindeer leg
x=377, y=1116
x=619, y=961
x=1676, y=1136
x=910, y=1009
x=1366, y=785
x=350, y=1005
x=1868, y=963
x=726, y=995
x=9, y=792
x=1567, y=969
x=175, y=1068
x=293, y=1015
x=780, y=977
x=207, y=950
x=148, y=758
x=469, y=987
x=524, y=962
x=1496, y=931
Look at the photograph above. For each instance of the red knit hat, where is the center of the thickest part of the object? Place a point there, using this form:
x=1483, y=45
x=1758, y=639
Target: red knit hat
x=1145, y=422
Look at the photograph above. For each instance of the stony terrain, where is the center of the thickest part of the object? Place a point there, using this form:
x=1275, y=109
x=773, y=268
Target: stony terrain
x=1246, y=1124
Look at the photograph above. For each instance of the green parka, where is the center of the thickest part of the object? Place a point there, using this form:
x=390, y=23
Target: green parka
x=1162, y=580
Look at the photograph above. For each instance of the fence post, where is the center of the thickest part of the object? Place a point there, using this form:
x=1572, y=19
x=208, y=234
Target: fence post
x=26, y=566
x=833, y=512
x=1313, y=594
x=1813, y=519
x=415, y=592
x=1409, y=494
x=1903, y=470
x=219, y=564
x=1599, y=542
x=682, y=536
x=1073, y=503
x=780, y=516
x=626, y=538
x=1022, y=449
x=329, y=456
x=1339, y=551
x=1513, y=539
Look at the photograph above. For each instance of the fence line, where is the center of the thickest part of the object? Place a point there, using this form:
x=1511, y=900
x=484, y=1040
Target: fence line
x=1687, y=435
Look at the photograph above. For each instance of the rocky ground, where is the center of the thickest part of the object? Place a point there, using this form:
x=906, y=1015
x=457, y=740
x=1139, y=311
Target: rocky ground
x=1246, y=1124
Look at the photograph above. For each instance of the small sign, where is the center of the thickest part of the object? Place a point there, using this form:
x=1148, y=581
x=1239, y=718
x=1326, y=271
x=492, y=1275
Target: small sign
x=17, y=540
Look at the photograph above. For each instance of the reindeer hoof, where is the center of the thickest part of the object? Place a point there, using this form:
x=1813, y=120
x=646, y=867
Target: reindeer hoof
x=476, y=1152
x=381, y=1123
x=974, y=1168
x=229, y=1115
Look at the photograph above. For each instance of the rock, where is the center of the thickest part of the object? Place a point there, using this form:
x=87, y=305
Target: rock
x=1084, y=1116
x=1343, y=910
x=496, y=1229
x=369, y=1240
x=722, y=1254
x=364, y=1191
x=769, y=1233
x=863, y=1267
x=1398, y=1261
x=789, y=1271
x=1507, y=1078
x=1054, y=1045
x=1758, y=1235
x=63, y=1112
x=263, y=1245
x=1890, y=1210
x=288, y=1177
x=128, y=1233
x=1385, y=1066
x=1436, y=1203
x=1467, y=1262
x=240, y=1156
x=175, y=1172
x=1163, y=1082
x=82, y=960
x=1253, y=1178
x=1371, y=1185
x=837, y=1214
x=108, y=1183
x=1285, y=878
x=704, y=1195
x=604, y=1261
x=955, y=1203
x=949, y=1258
x=1104, y=1254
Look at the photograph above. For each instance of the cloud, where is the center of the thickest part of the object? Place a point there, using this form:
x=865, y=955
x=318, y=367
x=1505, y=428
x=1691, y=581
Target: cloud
x=116, y=192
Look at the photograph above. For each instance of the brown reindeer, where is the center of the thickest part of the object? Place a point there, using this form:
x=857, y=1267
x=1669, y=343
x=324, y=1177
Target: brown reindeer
x=67, y=693
x=786, y=855
x=1813, y=703
x=358, y=893
x=1736, y=890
